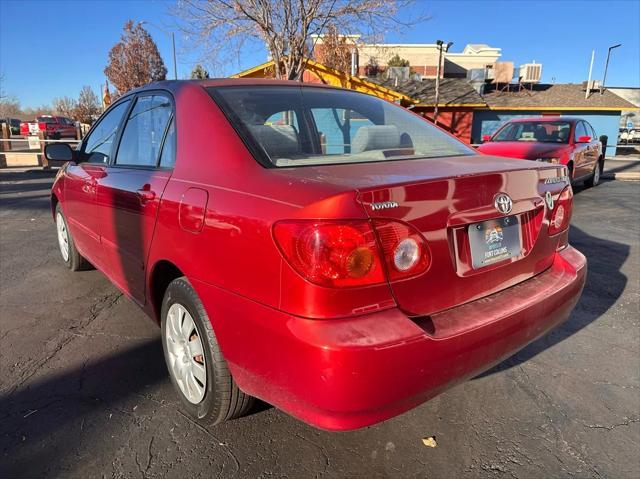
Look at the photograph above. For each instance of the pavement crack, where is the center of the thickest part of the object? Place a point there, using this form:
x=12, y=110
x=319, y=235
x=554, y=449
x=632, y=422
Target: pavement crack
x=106, y=302
x=613, y=426
x=218, y=441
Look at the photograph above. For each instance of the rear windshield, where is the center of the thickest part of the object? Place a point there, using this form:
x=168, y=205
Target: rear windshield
x=538, y=131
x=46, y=119
x=291, y=126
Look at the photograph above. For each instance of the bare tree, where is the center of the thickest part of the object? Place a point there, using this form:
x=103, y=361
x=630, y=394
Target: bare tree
x=35, y=111
x=88, y=106
x=2, y=93
x=65, y=106
x=287, y=27
x=134, y=61
x=335, y=50
x=9, y=107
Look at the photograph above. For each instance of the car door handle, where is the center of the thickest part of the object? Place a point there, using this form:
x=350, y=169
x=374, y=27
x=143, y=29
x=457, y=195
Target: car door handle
x=145, y=195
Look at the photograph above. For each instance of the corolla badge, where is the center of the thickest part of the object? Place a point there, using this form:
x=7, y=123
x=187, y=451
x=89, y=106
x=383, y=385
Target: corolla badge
x=384, y=205
x=503, y=203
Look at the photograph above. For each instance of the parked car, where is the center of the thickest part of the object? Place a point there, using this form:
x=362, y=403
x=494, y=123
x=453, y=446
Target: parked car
x=54, y=127
x=565, y=141
x=14, y=125
x=342, y=271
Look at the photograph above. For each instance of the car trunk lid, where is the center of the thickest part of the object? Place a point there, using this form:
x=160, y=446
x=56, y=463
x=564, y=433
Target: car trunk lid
x=459, y=218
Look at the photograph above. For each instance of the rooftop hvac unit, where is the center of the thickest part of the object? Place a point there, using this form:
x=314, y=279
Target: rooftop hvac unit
x=594, y=85
x=530, y=73
x=476, y=78
x=502, y=72
x=489, y=73
x=400, y=74
x=476, y=75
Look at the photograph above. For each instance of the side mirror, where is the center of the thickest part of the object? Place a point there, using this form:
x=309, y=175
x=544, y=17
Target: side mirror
x=58, y=152
x=486, y=138
x=584, y=139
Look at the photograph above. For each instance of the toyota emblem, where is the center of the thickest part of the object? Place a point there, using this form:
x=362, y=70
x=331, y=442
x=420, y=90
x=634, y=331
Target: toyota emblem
x=503, y=203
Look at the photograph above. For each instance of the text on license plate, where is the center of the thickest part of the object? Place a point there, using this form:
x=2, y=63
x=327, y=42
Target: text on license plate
x=494, y=240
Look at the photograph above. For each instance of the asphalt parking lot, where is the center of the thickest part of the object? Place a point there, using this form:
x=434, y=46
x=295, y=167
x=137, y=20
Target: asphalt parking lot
x=84, y=391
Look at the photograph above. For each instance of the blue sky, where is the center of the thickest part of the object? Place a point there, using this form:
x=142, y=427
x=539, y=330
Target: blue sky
x=50, y=49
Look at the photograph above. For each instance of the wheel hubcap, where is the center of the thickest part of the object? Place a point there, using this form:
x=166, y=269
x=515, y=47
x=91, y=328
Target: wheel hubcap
x=596, y=174
x=63, y=237
x=186, y=355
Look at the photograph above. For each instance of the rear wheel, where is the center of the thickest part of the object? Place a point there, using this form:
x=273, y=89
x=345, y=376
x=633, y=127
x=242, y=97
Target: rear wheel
x=70, y=255
x=196, y=365
x=595, y=176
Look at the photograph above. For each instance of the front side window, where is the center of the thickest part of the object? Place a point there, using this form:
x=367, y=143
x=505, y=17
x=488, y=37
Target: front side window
x=144, y=131
x=536, y=131
x=97, y=146
x=291, y=126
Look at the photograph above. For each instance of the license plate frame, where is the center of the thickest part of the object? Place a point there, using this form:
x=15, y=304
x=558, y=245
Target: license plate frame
x=493, y=241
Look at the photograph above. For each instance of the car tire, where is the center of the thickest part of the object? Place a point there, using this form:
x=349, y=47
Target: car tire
x=214, y=397
x=70, y=254
x=594, y=179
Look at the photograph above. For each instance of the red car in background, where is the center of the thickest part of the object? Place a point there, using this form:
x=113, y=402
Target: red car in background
x=54, y=127
x=565, y=141
x=343, y=271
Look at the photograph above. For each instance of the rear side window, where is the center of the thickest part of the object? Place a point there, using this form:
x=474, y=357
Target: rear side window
x=168, y=157
x=100, y=141
x=144, y=131
x=291, y=126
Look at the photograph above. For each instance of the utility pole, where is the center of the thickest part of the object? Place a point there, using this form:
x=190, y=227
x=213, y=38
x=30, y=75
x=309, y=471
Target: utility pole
x=606, y=67
x=586, y=94
x=441, y=47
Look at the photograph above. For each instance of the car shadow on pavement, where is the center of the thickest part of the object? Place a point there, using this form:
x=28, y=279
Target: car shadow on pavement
x=22, y=175
x=605, y=284
x=41, y=422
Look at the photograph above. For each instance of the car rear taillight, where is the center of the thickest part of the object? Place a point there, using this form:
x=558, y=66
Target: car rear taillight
x=561, y=214
x=347, y=253
x=42, y=126
x=405, y=251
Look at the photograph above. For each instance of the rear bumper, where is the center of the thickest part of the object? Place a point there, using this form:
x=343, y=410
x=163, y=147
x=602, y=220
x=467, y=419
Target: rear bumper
x=350, y=373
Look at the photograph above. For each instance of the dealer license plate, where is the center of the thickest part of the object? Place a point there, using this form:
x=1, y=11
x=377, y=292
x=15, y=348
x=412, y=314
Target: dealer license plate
x=494, y=240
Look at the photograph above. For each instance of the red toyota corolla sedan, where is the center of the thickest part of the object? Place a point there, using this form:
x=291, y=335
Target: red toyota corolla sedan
x=564, y=141
x=321, y=249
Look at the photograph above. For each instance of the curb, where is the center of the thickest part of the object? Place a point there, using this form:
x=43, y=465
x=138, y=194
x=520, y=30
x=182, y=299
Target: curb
x=622, y=176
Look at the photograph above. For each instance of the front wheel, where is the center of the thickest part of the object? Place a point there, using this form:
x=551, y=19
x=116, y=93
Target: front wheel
x=595, y=176
x=70, y=254
x=196, y=365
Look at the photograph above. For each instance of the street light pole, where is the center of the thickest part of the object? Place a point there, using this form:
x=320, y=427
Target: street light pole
x=441, y=47
x=175, y=63
x=606, y=67
x=173, y=44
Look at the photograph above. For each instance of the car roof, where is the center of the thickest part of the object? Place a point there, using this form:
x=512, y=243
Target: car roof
x=176, y=85
x=544, y=119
